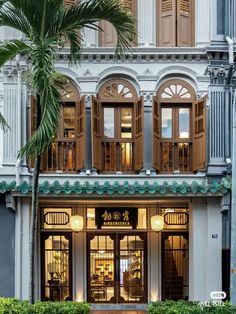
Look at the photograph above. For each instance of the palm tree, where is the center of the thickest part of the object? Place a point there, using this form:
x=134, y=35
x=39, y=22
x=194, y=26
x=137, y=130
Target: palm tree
x=46, y=25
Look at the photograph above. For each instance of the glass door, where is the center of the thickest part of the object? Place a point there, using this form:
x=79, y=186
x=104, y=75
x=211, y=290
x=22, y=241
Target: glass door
x=175, y=266
x=56, y=283
x=117, y=268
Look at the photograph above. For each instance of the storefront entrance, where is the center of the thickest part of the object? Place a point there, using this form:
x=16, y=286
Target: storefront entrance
x=117, y=268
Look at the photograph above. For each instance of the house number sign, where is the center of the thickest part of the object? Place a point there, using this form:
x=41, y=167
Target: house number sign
x=116, y=217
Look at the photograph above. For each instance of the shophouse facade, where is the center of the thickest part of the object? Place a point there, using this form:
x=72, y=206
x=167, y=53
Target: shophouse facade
x=140, y=135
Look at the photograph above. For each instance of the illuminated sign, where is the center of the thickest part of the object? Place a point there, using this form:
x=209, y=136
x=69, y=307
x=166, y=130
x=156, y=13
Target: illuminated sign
x=116, y=217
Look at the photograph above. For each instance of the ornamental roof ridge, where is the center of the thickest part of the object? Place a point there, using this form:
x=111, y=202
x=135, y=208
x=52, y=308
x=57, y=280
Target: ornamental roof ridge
x=125, y=188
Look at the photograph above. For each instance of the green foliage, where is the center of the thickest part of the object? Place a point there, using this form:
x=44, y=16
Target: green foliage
x=185, y=307
x=14, y=306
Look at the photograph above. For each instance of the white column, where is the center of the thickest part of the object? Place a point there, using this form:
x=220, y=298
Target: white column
x=22, y=243
x=79, y=262
x=1, y=132
x=202, y=22
x=146, y=20
x=214, y=246
x=197, y=250
x=154, y=261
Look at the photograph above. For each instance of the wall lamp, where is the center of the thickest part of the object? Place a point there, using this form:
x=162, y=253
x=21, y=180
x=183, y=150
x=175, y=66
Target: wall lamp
x=157, y=223
x=77, y=223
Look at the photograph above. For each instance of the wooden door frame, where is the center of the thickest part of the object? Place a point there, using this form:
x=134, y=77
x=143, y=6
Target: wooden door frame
x=43, y=236
x=117, y=289
x=163, y=235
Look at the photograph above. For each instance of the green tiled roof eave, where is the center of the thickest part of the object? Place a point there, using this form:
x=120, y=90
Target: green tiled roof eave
x=125, y=188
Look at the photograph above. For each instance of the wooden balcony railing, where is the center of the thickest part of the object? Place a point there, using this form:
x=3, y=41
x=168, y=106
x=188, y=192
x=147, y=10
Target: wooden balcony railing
x=60, y=156
x=176, y=156
x=118, y=156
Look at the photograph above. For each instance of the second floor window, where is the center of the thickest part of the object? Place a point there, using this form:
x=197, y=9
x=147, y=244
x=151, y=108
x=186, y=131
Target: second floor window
x=117, y=124
x=66, y=152
x=107, y=37
x=175, y=23
x=178, y=129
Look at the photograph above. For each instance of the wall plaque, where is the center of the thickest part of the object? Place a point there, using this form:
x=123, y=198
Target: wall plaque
x=116, y=217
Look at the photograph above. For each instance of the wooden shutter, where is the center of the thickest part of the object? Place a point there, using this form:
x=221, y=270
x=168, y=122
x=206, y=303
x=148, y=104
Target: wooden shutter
x=167, y=23
x=185, y=23
x=69, y=2
x=138, y=134
x=80, y=133
x=96, y=134
x=199, y=135
x=108, y=36
x=156, y=134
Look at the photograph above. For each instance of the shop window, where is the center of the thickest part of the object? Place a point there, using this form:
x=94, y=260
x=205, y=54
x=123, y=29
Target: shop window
x=175, y=23
x=179, y=129
x=66, y=152
x=107, y=37
x=117, y=127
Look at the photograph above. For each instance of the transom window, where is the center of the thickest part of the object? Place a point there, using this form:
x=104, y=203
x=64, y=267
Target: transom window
x=178, y=144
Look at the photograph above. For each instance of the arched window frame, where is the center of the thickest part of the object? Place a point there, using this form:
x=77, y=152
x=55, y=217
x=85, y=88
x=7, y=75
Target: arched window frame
x=66, y=153
x=135, y=103
x=197, y=123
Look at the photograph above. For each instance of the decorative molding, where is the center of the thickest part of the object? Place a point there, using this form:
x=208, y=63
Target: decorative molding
x=10, y=73
x=107, y=188
x=218, y=73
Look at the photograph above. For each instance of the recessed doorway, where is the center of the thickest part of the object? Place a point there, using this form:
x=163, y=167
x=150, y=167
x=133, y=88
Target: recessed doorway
x=117, y=268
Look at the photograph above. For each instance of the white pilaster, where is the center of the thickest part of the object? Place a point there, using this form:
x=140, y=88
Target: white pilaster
x=197, y=250
x=22, y=241
x=11, y=145
x=202, y=25
x=90, y=37
x=146, y=22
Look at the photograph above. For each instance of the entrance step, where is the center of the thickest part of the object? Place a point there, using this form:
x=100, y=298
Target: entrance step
x=119, y=308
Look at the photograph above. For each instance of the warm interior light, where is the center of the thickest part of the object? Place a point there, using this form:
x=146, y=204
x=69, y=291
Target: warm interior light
x=77, y=223
x=184, y=135
x=157, y=223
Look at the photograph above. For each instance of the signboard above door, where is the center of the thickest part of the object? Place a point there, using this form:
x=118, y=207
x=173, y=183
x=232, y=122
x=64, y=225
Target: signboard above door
x=116, y=217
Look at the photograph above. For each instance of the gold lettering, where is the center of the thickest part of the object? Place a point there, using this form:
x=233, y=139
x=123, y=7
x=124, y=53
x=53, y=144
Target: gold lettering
x=126, y=216
x=106, y=216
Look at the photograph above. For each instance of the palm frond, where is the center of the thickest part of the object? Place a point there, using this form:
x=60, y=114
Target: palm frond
x=3, y=123
x=45, y=133
x=10, y=49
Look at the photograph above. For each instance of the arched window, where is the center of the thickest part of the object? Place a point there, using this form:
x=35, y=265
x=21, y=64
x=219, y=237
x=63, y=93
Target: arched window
x=66, y=152
x=107, y=37
x=178, y=128
x=175, y=23
x=117, y=126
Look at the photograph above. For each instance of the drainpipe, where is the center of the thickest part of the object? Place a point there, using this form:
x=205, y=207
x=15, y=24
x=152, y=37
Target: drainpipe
x=19, y=98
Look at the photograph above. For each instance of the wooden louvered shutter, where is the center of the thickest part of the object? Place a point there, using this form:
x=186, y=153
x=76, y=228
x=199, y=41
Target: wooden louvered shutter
x=96, y=134
x=80, y=133
x=199, y=135
x=185, y=23
x=138, y=134
x=108, y=37
x=167, y=23
x=69, y=2
x=156, y=134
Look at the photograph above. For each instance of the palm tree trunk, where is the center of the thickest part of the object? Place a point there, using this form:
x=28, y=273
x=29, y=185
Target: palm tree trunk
x=33, y=228
x=34, y=212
